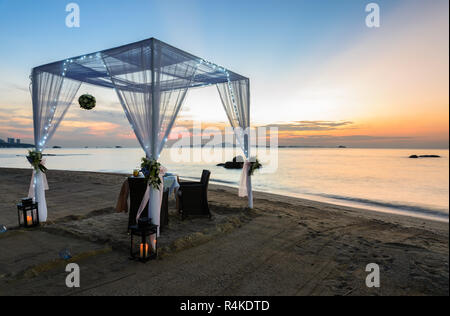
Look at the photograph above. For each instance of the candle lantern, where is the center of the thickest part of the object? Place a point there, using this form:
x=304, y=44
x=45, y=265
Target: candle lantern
x=144, y=245
x=28, y=213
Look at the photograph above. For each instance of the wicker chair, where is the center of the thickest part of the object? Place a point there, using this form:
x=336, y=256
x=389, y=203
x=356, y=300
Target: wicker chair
x=194, y=197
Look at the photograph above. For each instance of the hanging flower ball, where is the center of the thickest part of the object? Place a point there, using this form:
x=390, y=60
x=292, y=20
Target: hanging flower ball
x=86, y=101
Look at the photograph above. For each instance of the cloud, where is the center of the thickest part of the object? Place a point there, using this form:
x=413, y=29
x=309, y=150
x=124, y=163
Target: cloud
x=14, y=123
x=9, y=85
x=311, y=126
x=326, y=140
x=90, y=128
x=96, y=115
x=351, y=138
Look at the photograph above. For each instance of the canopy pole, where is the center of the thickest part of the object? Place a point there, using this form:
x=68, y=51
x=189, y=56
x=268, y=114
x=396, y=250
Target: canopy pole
x=250, y=192
x=249, y=182
x=154, y=207
x=155, y=105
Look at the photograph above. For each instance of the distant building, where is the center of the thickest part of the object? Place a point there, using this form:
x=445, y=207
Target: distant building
x=14, y=143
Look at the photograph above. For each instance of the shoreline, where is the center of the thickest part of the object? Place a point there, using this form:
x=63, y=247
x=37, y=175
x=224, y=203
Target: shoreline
x=298, y=199
x=390, y=217
x=426, y=214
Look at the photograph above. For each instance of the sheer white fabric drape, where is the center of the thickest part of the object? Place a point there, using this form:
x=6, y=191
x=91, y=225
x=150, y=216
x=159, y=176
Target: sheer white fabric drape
x=52, y=95
x=235, y=97
x=151, y=90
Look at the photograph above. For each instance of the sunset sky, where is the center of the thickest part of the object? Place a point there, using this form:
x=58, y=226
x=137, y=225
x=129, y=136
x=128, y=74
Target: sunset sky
x=317, y=72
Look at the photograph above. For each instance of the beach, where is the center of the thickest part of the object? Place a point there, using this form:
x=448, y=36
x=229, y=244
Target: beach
x=284, y=246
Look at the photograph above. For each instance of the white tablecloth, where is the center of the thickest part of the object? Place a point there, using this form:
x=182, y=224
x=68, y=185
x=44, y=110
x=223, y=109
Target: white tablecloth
x=171, y=183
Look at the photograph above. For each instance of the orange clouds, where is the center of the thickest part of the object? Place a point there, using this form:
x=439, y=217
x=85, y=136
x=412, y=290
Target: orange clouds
x=90, y=128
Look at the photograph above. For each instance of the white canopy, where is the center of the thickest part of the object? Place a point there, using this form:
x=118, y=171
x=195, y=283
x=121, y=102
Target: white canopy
x=151, y=79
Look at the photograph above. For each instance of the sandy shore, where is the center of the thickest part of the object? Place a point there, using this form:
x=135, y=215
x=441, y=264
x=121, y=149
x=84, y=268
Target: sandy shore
x=284, y=246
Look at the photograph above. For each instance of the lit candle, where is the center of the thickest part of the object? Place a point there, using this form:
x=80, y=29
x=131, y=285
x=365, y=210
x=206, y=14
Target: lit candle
x=144, y=252
x=29, y=220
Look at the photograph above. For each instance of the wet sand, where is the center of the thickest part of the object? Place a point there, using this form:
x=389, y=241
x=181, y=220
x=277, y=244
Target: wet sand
x=284, y=246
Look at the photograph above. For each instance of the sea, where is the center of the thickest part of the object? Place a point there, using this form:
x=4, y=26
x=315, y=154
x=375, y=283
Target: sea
x=384, y=180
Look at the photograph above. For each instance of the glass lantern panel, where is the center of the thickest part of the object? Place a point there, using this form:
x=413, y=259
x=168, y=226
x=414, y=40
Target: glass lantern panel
x=29, y=218
x=21, y=217
x=153, y=242
x=141, y=248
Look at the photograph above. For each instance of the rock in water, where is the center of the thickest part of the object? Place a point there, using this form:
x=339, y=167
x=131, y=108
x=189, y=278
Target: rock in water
x=237, y=163
x=234, y=165
x=424, y=156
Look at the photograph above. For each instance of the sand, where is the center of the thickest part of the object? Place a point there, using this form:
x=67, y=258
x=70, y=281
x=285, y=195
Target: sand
x=284, y=246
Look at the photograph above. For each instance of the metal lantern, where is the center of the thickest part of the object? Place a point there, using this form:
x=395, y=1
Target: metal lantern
x=145, y=246
x=28, y=213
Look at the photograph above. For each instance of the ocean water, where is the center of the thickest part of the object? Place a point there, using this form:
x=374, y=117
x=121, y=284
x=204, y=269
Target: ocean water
x=384, y=180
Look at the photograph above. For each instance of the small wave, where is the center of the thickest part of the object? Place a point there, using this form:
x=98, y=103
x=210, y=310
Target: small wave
x=57, y=155
x=391, y=205
x=224, y=181
x=373, y=204
x=212, y=180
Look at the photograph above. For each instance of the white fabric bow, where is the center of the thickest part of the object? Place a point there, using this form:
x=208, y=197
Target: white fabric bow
x=31, y=191
x=155, y=205
x=243, y=185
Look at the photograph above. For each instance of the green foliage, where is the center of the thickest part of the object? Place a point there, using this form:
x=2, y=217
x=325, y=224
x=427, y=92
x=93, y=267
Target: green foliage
x=35, y=159
x=87, y=102
x=254, y=165
x=150, y=169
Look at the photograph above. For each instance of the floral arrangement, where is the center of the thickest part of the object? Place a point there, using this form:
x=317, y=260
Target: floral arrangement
x=150, y=169
x=35, y=159
x=254, y=165
x=87, y=102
